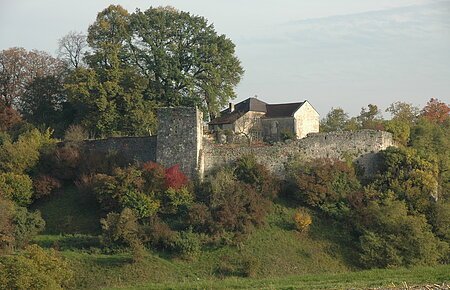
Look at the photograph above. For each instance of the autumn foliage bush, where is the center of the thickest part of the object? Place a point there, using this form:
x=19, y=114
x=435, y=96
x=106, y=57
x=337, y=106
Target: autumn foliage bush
x=302, y=220
x=324, y=184
x=120, y=229
x=44, y=185
x=188, y=244
x=392, y=238
x=22, y=155
x=174, y=178
x=17, y=225
x=154, y=175
x=125, y=189
x=199, y=217
x=234, y=207
x=62, y=162
x=157, y=234
x=147, y=190
x=411, y=176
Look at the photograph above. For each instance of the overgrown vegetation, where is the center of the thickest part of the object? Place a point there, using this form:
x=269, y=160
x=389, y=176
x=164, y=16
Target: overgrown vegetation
x=324, y=217
x=71, y=218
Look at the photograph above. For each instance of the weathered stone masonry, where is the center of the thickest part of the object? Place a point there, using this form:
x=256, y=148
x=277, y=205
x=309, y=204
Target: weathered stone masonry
x=361, y=146
x=180, y=141
x=132, y=149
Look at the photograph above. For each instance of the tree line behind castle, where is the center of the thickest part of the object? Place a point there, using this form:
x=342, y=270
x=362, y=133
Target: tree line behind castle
x=135, y=63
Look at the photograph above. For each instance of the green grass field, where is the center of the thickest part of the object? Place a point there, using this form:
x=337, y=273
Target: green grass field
x=401, y=278
x=281, y=258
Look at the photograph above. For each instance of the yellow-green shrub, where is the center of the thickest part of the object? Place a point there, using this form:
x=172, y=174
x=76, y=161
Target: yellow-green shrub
x=35, y=268
x=23, y=154
x=17, y=187
x=302, y=220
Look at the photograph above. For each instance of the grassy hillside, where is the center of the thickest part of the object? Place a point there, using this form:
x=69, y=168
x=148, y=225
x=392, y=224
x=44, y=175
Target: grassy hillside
x=274, y=250
x=274, y=256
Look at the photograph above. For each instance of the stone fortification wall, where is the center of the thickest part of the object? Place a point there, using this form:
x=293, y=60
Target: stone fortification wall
x=132, y=149
x=180, y=133
x=180, y=141
x=362, y=146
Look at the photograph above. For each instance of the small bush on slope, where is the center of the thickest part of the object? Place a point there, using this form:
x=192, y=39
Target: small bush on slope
x=35, y=269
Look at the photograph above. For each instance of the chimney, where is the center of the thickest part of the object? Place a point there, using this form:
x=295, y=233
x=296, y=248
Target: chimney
x=231, y=107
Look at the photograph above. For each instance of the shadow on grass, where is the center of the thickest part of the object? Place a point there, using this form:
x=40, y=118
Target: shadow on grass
x=70, y=212
x=285, y=225
x=68, y=242
x=112, y=261
x=344, y=244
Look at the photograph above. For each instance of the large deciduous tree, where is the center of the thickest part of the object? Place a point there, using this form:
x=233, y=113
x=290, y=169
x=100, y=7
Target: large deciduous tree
x=71, y=48
x=19, y=67
x=404, y=116
x=403, y=112
x=44, y=103
x=185, y=61
x=159, y=57
x=436, y=111
x=108, y=96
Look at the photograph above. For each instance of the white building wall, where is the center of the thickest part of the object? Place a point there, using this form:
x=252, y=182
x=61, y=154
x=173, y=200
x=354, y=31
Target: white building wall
x=306, y=120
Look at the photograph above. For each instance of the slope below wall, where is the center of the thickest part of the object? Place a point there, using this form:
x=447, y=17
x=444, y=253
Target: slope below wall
x=362, y=146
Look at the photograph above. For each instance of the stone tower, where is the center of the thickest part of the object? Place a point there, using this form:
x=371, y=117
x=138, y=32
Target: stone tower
x=179, y=141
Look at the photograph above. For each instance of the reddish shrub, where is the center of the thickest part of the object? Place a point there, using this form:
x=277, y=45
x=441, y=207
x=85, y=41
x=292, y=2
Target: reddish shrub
x=239, y=209
x=62, y=162
x=154, y=175
x=45, y=185
x=324, y=181
x=174, y=178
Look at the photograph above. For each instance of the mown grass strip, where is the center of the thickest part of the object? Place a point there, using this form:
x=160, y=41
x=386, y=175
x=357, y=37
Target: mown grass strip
x=362, y=279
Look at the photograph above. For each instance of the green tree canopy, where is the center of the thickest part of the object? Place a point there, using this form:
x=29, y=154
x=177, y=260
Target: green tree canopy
x=404, y=112
x=337, y=119
x=370, y=118
x=139, y=61
x=44, y=103
x=184, y=59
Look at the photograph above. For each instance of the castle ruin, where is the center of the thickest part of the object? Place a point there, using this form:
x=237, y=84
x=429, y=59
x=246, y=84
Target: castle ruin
x=181, y=141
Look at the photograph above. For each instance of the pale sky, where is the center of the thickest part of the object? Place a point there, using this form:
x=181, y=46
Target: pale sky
x=345, y=53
